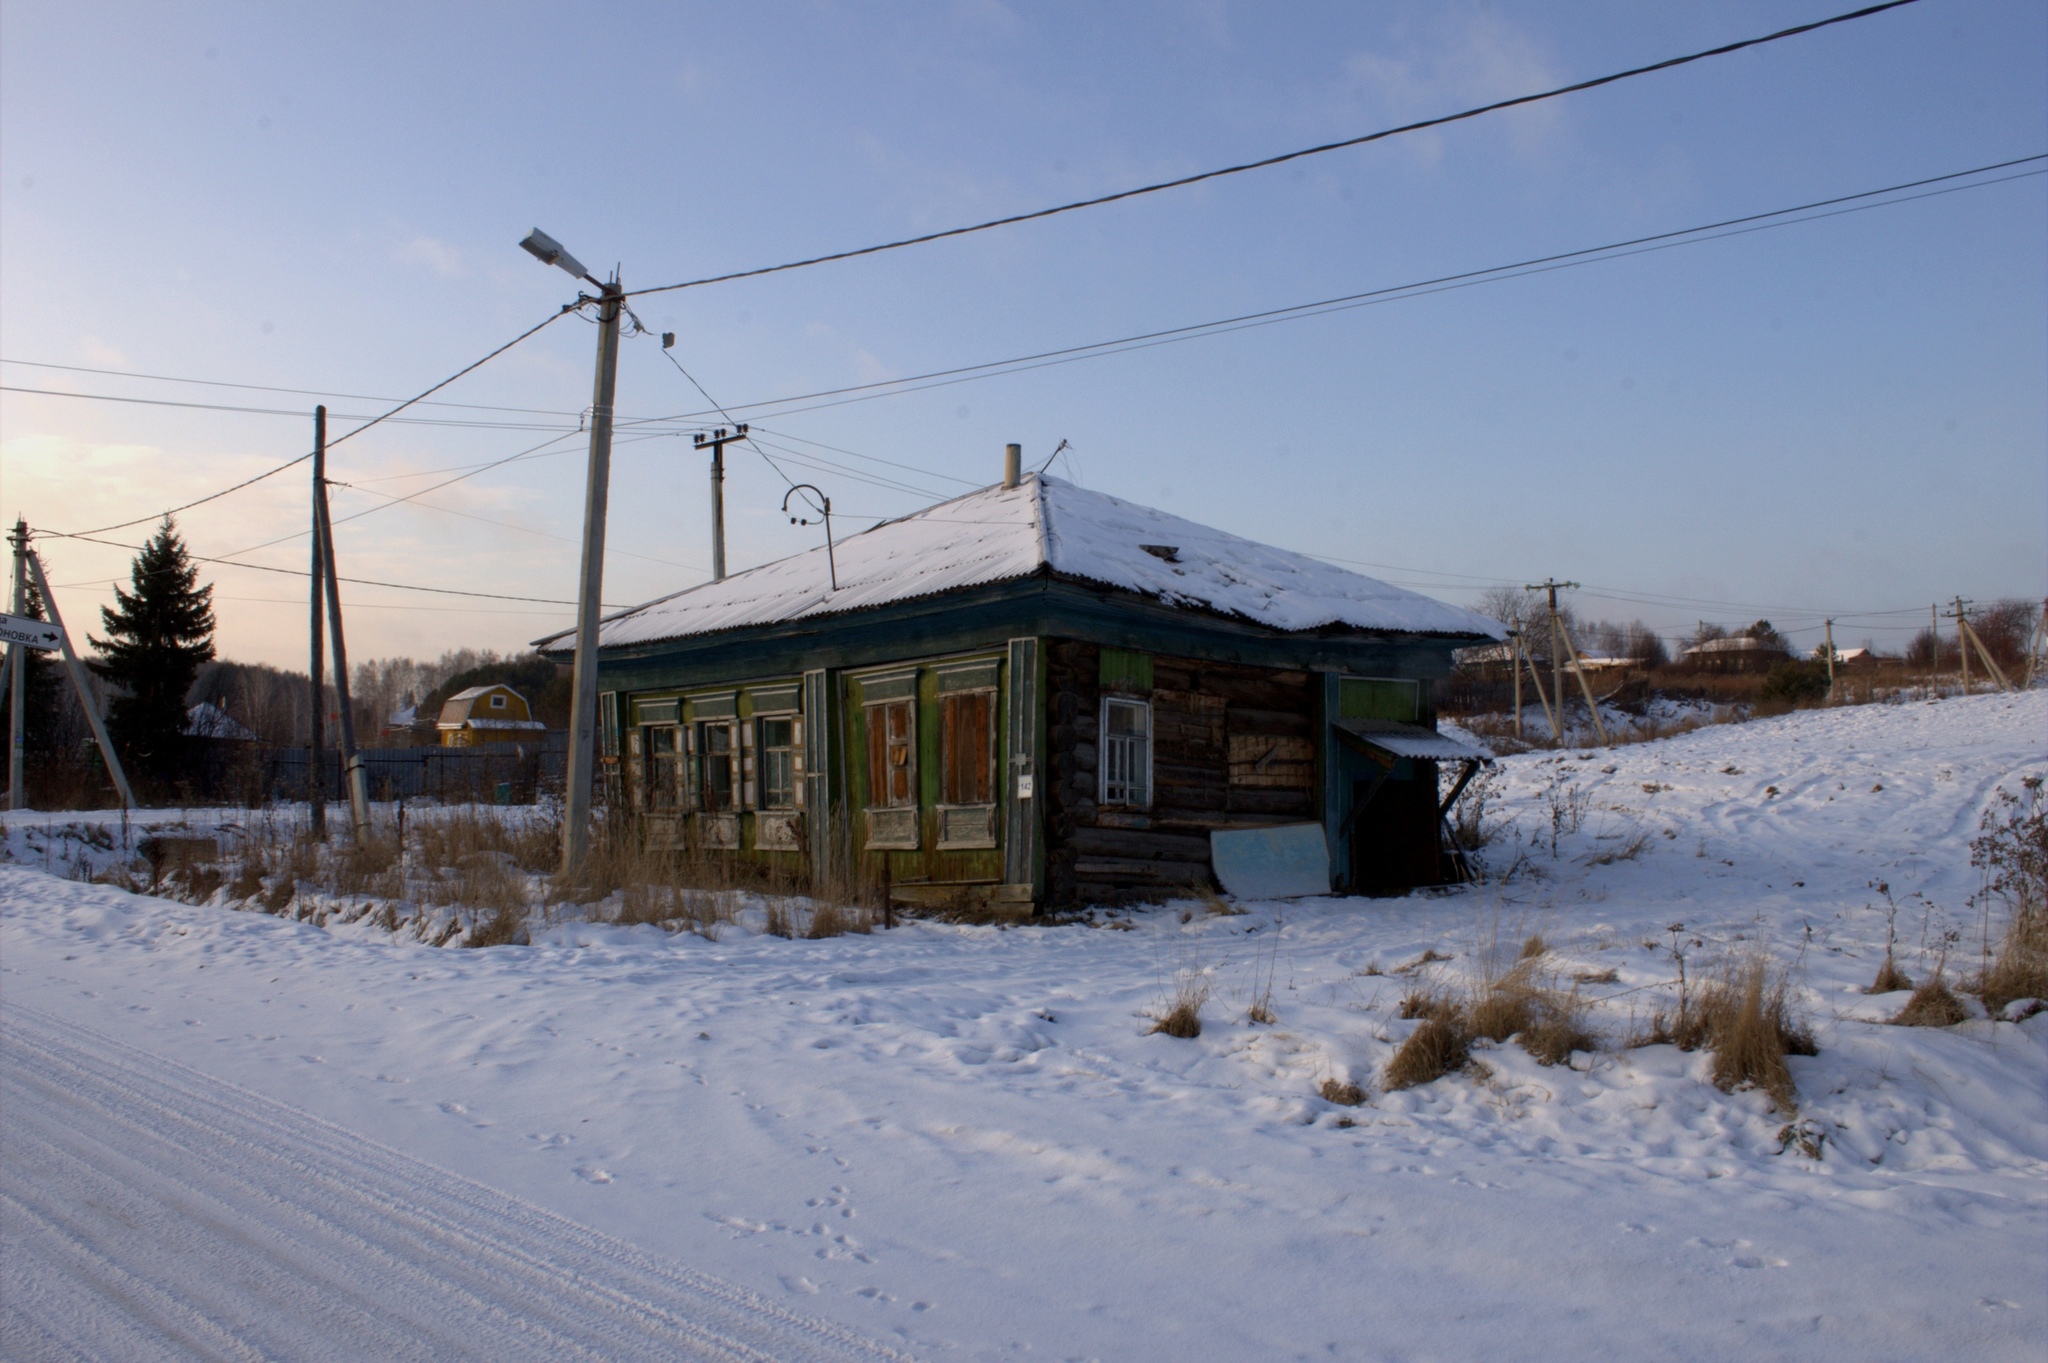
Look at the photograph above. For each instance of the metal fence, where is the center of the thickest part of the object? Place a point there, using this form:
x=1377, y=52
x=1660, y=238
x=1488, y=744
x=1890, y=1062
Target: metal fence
x=496, y=773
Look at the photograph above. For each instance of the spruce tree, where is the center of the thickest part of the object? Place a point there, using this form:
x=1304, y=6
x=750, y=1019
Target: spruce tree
x=159, y=635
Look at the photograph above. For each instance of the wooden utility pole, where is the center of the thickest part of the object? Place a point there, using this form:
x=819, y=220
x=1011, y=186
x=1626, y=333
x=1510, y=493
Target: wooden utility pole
x=316, y=732
x=78, y=682
x=716, y=443
x=1515, y=666
x=1991, y=666
x=1962, y=645
x=351, y=760
x=1560, y=649
x=2036, y=645
x=17, y=678
x=1831, y=660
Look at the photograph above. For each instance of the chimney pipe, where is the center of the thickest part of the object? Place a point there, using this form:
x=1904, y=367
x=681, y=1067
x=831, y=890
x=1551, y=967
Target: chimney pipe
x=1013, y=465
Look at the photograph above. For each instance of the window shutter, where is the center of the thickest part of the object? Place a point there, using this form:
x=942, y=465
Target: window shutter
x=746, y=766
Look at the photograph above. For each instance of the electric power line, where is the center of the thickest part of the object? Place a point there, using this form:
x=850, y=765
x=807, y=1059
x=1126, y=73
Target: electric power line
x=247, y=482
x=1284, y=157
x=1752, y=222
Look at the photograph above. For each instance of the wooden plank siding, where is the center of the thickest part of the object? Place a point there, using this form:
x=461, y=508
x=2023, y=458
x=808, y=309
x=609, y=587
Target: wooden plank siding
x=1233, y=746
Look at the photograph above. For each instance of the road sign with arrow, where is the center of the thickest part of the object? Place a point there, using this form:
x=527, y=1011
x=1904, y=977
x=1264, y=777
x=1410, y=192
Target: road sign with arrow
x=19, y=629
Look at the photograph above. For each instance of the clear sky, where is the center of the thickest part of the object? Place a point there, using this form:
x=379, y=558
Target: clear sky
x=1847, y=416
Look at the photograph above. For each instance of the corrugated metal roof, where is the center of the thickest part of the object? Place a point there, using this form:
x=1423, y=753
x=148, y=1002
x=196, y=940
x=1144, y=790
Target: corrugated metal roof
x=1045, y=524
x=1411, y=740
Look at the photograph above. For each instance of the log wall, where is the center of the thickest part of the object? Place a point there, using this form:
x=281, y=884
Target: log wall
x=1233, y=746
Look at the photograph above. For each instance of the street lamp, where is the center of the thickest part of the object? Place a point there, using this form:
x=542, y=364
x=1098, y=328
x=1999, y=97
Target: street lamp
x=590, y=587
x=826, y=503
x=548, y=251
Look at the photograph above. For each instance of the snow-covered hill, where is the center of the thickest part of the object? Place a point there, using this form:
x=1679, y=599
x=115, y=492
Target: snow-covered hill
x=966, y=1142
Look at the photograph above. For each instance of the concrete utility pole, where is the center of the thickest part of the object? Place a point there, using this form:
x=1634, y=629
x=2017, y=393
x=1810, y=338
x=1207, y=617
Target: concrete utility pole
x=17, y=678
x=716, y=443
x=316, y=733
x=590, y=589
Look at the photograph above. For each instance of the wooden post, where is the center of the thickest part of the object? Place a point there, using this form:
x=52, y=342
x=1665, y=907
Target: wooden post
x=77, y=671
x=316, y=733
x=1515, y=666
x=352, y=761
x=1592, y=706
x=1831, y=660
x=17, y=677
x=1536, y=680
x=1962, y=646
x=1991, y=666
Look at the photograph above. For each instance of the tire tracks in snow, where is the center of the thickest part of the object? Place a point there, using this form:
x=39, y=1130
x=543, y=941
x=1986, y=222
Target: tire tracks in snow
x=151, y=1211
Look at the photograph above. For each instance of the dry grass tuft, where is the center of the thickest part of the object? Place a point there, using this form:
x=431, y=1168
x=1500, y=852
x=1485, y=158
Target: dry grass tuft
x=248, y=881
x=2020, y=969
x=1534, y=946
x=500, y=929
x=1890, y=979
x=1184, y=1015
x=780, y=922
x=832, y=920
x=1933, y=1004
x=1562, y=1025
x=1343, y=1095
x=1428, y=1003
x=1744, y=1015
x=1431, y=1051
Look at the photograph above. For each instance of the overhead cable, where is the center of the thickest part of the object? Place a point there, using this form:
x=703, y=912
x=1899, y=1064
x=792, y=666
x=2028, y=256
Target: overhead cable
x=1751, y=222
x=1284, y=157
x=350, y=435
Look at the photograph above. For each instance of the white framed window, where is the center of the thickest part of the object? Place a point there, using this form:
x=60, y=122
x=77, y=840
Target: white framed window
x=1125, y=755
x=498, y=701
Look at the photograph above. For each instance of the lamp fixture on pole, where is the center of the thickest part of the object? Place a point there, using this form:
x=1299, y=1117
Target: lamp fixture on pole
x=825, y=510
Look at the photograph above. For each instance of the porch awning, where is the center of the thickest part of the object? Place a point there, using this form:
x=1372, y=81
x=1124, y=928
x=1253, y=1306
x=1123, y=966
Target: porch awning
x=1386, y=738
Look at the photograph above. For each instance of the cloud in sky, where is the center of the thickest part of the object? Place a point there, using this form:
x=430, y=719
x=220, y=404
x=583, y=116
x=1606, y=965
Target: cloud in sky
x=1458, y=61
x=436, y=255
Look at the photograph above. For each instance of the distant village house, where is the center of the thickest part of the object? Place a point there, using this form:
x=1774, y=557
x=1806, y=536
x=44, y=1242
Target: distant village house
x=486, y=714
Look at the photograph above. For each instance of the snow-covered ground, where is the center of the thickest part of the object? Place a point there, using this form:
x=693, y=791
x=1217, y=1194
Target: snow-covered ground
x=964, y=1142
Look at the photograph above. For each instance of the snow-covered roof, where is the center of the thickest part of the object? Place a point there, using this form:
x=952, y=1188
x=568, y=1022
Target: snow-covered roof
x=522, y=724
x=1740, y=643
x=207, y=720
x=1000, y=534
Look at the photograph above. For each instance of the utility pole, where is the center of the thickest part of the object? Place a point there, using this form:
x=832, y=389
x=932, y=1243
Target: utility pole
x=316, y=733
x=1515, y=666
x=79, y=684
x=351, y=760
x=1550, y=586
x=1962, y=644
x=1831, y=659
x=583, y=714
x=716, y=443
x=17, y=678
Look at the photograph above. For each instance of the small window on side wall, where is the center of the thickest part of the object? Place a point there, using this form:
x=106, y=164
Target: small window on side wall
x=1125, y=756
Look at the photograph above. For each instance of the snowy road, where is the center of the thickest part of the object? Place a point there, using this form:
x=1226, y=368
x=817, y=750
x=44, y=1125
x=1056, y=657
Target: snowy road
x=153, y=1212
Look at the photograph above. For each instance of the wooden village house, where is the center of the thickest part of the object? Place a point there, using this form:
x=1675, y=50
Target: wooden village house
x=486, y=714
x=1034, y=695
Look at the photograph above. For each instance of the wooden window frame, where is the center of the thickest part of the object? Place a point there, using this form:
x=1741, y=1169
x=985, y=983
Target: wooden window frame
x=967, y=817
x=700, y=776
x=791, y=754
x=1141, y=748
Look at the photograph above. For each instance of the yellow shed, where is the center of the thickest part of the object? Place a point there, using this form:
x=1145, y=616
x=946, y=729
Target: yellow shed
x=486, y=714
